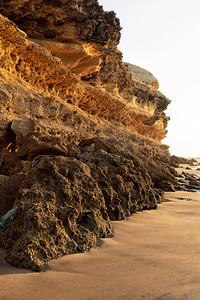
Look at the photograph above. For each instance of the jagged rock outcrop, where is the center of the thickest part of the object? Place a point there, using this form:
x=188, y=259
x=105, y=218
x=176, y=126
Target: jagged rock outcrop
x=85, y=38
x=66, y=202
x=74, y=30
x=143, y=75
x=79, y=137
x=176, y=160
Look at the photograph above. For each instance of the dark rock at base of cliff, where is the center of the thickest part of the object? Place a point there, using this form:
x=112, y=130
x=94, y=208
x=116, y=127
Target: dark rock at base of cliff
x=176, y=160
x=66, y=203
x=61, y=211
x=190, y=183
x=9, y=185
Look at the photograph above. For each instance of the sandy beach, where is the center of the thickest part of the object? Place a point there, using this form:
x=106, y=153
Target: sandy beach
x=153, y=255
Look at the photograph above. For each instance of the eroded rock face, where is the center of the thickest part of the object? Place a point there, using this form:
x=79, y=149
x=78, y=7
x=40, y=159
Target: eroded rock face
x=79, y=137
x=53, y=201
x=85, y=37
x=143, y=75
x=36, y=66
x=72, y=30
x=66, y=203
x=175, y=160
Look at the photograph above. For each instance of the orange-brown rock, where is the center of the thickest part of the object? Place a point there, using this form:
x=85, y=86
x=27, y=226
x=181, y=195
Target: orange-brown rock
x=85, y=38
x=79, y=137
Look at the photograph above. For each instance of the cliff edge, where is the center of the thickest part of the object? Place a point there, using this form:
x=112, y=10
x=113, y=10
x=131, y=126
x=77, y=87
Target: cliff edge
x=80, y=135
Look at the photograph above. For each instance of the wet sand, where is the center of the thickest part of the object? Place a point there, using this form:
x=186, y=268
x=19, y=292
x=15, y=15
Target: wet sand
x=153, y=255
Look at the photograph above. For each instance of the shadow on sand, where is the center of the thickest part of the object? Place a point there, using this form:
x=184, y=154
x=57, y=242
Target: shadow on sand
x=6, y=269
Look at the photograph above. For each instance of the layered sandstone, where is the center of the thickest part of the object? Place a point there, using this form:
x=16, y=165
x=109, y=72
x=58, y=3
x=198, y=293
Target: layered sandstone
x=85, y=38
x=80, y=136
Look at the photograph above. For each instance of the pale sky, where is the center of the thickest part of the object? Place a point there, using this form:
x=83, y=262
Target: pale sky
x=163, y=37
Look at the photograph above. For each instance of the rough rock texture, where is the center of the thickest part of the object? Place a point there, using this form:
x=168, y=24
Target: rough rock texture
x=66, y=203
x=85, y=37
x=190, y=182
x=143, y=75
x=79, y=137
x=176, y=160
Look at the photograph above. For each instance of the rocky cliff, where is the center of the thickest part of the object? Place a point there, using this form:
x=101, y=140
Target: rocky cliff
x=80, y=134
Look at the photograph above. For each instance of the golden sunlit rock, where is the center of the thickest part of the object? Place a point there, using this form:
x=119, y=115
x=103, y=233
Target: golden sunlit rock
x=80, y=134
